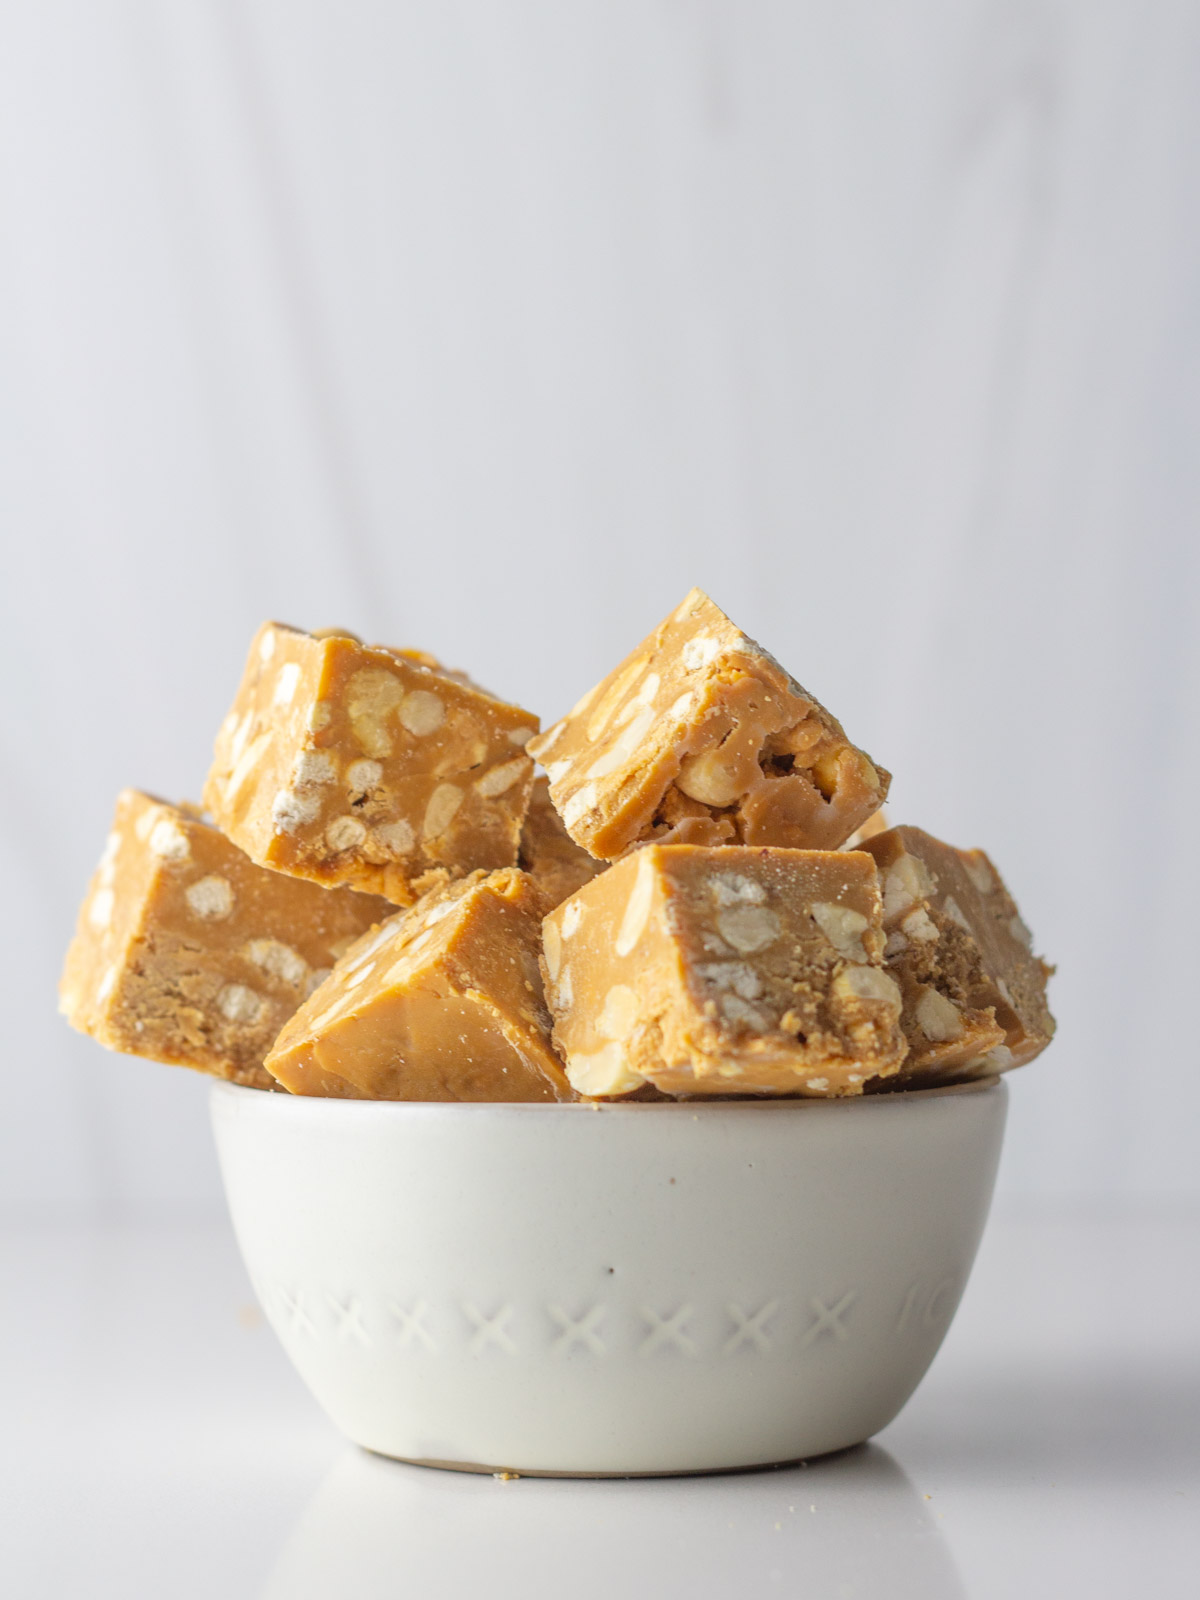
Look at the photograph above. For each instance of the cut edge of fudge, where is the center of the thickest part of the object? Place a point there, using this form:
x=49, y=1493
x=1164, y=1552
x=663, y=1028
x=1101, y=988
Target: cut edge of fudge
x=723, y=971
x=700, y=737
x=368, y=767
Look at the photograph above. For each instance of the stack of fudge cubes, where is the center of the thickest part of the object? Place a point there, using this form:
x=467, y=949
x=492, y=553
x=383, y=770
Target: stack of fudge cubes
x=699, y=898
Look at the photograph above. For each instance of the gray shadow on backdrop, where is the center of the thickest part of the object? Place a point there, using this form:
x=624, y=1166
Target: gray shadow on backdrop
x=377, y=1528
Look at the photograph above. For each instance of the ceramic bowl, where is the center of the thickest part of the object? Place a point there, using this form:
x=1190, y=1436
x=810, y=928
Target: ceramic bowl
x=622, y=1289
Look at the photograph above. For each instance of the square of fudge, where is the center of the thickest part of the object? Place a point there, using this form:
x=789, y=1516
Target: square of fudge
x=557, y=865
x=369, y=767
x=701, y=737
x=189, y=953
x=974, y=992
x=719, y=971
x=443, y=1002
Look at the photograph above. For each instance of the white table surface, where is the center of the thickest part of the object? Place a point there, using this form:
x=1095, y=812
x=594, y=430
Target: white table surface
x=155, y=1442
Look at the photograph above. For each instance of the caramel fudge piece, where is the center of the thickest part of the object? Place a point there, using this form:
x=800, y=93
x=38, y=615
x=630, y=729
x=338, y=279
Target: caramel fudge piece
x=362, y=765
x=701, y=737
x=443, y=1002
x=189, y=953
x=974, y=992
x=557, y=865
x=724, y=971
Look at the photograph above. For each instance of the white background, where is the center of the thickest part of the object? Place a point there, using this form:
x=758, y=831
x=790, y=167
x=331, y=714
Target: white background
x=490, y=328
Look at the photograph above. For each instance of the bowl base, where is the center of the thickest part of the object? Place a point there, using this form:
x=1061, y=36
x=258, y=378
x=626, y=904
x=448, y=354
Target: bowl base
x=676, y=1472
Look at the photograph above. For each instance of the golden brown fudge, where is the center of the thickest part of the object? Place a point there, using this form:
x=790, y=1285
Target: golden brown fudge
x=701, y=737
x=724, y=971
x=974, y=992
x=557, y=865
x=362, y=765
x=443, y=1002
x=189, y=953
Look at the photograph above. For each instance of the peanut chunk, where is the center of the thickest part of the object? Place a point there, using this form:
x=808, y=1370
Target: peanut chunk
x=365, y=766
x=443, y=1002
x=701, y=737
x=187, y=952
x=974, y=993
x=557, y=865
x=724, y=971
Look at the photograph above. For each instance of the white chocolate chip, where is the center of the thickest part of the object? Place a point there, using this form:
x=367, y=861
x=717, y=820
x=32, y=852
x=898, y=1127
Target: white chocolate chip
x=700, y=651
x=345, y=833
x=552, y=947
x=291, y=811
x=397, y=838
x=520, y=736
x=279, y=959
x=106, y=984
x=819, y=1084
x=499, y=780
x=737, y=1010
x=578, y=806
x=602, y=1072
x=955, y=912
x=938, y=1018
x=211, y=898
x=572, y=916
x=908, y=880
x=624, y=746
x=999, y=1059
x=239, y=1004
x=637, y=909
x=320, y=715
x=556, y=769
x=364, y=775
x=895, y=943
x=266, y=646
x=239, y=735
x=100, y=911
x=733, y=888
x=440, y=812
x=867, y=983
x=979, y=875
x=615, y=696
x=843, y=928
x=619, y=1013
x=565, y=995
x=748, y=928
x=286, y=684
x=168, y=841
x=358, y=975
x=1020, y=932
x=313, y=767
x=920, y=926
x=737, y=977
x=422, y=712
x=681, y=707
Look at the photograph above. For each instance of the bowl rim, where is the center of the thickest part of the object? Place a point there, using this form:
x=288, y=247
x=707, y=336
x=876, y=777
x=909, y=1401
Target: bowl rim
x=809, y=1105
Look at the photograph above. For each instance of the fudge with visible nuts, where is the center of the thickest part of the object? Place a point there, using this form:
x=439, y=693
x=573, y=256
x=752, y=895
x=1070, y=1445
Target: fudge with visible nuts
x=557, y=865
x=700, y=737
x=443, y=1002
x=367, y=766
x=719, y=971
x=187, y=952
x=974, y=992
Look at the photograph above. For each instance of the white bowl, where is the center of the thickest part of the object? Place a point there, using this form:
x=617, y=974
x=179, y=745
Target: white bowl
x=610, y=1290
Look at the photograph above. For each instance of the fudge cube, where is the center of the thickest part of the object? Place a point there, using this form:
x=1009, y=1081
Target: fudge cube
x=974, y=992
x=557, y=865
x=366, y=766
x=443, y=1002
x=187, y=952
x=724, y=971
x=700, y=737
